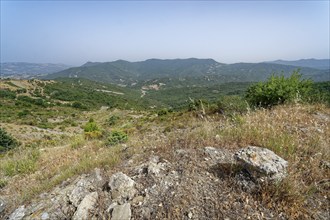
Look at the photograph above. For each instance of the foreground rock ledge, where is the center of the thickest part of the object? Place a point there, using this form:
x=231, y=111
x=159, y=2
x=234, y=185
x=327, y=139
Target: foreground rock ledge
x=262, y=164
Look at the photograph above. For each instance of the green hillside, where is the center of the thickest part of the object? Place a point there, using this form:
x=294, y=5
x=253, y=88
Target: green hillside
x=180, y=72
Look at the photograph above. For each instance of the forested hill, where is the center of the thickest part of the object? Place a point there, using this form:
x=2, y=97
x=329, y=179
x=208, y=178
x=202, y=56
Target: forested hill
x=322, y=64
x=192, y=71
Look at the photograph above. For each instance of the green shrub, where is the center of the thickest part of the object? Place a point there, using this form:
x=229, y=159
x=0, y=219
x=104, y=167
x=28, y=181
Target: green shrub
x=320, y=93
x=113, y=120
x=117, y=137
x=23, y=113
x=7, y=94
x=6, y=141
x=197, y=104
x=78, y=105
x=231, y=104
x=30, y=100
x=278, y=89
x=3, y=183
x=91, y=126
x=163, y=111
x=92, y=130
x=22, y=90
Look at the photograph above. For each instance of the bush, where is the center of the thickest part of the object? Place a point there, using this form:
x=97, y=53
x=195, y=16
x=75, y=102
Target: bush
x=7, y=94
x=113, y=120
x=91, y=126
x=23, y=113
x=278, y=89
x=117, y=137
x=7, y=142
x=78, y=105
x=231, y=104
x=92, y=130
x=197, y=105
x=162, y=112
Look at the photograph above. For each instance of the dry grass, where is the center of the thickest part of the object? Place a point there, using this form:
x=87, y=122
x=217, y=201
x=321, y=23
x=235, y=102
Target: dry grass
x=298, y=133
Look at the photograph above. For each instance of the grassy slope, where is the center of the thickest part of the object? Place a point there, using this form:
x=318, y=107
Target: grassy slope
x=298, y=133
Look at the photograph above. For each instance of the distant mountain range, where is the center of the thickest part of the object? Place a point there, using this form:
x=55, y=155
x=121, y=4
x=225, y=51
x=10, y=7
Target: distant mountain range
x=24, y=70
x=322, y=64
x=173, y=72
x=184, y=72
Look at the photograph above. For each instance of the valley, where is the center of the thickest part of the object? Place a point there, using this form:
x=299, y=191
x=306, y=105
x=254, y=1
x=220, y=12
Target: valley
x=175, y=137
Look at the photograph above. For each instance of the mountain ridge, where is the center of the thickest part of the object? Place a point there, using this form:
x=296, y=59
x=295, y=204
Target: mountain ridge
x=127, y=73
x=312, y=63
x=26, y=70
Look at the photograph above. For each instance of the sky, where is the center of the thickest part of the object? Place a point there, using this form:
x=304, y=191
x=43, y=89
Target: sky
x=74, y=32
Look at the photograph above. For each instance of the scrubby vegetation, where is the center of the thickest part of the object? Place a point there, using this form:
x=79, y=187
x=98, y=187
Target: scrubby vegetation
x=68, y=128
x=7, y=142
x=278, y=90
x=116, y=137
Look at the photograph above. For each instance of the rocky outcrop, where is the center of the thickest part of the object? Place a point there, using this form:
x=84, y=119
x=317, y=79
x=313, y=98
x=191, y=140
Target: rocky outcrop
x=193, y=185
x=262, y=164
x=87, y=205
x=122, y=187
x=122, y=212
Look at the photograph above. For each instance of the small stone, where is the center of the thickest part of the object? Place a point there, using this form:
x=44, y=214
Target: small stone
x=18, y=214
x=190, y=215
x=2, y=205
x=45, y=216
x=138, y=200
x=122, y=212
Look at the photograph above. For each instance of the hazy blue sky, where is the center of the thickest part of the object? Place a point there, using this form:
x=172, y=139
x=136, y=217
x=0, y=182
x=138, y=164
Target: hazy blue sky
x=237, y=31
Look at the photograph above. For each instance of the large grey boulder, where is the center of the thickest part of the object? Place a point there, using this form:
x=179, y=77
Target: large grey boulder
x=87, y=205
x=122, y=187
x=121, y=212
x=262, y=164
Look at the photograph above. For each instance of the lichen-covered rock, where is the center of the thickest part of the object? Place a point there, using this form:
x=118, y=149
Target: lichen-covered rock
x=261, y=163
x=122, y=187
x=18, y=214
x=82, y=188
x=217, y=155
x=86, y=206
x=86, y=185
x=122, y=212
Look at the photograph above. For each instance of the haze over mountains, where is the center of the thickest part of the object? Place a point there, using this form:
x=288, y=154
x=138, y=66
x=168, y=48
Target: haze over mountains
x=187, y=71
x=175, y=72
x=26, y=70
x=321, y=64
